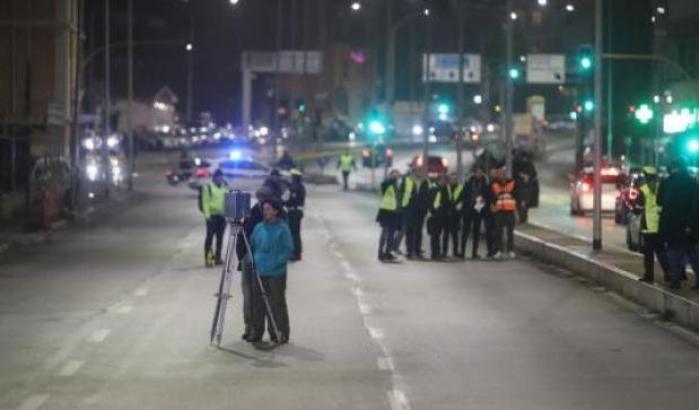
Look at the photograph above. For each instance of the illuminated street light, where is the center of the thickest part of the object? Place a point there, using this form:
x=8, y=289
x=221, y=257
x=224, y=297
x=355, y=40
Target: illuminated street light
x=356, y=6
x=543, y=3
x=234, y=2
x=570, y=7
x=513, y=16
x=661, y=10
x=426, y=12
x=188, y=47
x=478, y=99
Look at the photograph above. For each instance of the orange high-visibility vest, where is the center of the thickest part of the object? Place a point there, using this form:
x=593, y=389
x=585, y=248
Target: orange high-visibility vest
x=504, y=196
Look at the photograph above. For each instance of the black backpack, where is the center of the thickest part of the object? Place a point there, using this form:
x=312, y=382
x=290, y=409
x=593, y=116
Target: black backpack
x=200, y=198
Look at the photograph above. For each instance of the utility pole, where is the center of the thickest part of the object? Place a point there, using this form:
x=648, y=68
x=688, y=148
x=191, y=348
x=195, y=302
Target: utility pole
x=597, y=203
x=390, y=60
x=75, y=140
x=107, y=131
x=276, y=126
x=129, y=115
x=509, y=88
x=428, y=92
x=460, y=97
x=190, y=66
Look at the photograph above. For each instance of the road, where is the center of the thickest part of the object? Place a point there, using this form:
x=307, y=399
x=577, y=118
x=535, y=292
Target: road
x=114, y=314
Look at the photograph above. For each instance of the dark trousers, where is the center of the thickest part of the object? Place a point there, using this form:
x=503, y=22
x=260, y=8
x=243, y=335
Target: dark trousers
x=453, y=229
x=523, y=210
x=410, y=222
x=388, y=234
x=345, y=180
x=678, y=254
x=246, y=284
x=446, y=231
x=489, y=219
x=471, y=226
x=653, y=246
x=504, y=224
x=215, y=226
x=419, y=227
x=435, y=231
x=295, y=216
x=275, y=286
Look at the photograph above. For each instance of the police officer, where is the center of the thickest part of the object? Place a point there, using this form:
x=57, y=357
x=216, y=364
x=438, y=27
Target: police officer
x=388, y=216
x=504, y=207
x=212, y=198
x=525, y=174
x=474, y=209
x=276, y=184
x=436, y=216
x=455, y=214
x=294, y=206
x=411, y=212
x=346, y=164
x=647, y=206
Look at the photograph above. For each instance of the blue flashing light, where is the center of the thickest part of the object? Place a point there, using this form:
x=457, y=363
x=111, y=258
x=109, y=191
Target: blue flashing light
x=235, y=155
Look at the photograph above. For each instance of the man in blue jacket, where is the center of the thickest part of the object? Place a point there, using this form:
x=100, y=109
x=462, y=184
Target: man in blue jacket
x=272, y=246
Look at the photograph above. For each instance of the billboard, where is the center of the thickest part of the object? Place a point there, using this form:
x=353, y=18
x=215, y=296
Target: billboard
x=444, y=68
x=546, y=69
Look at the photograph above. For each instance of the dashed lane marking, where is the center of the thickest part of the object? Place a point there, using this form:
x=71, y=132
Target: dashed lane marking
x=124, y=310
x=385, y=363
x=364, y=309
x=357, y=291
x=99, y=335
x=70, y=368
x=34, y=402
x=398, y=400
x=141, y=292
x=375, y=332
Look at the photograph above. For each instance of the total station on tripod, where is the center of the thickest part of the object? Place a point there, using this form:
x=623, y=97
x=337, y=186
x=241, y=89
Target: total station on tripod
x=237, y=205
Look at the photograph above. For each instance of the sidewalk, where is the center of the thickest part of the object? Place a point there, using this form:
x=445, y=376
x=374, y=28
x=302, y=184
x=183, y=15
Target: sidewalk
x=616, y=269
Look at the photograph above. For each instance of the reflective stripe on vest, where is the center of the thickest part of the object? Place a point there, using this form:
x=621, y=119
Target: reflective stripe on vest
x=389, y=202
x=505, y=199
x=651, y=210
x=408, y=187
x=457, y=193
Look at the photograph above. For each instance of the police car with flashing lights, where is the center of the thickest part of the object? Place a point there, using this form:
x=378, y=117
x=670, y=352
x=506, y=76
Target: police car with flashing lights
x=582, y=192
x=235, y=166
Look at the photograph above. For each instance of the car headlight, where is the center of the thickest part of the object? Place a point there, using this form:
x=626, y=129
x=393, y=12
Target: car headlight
x=92, y=170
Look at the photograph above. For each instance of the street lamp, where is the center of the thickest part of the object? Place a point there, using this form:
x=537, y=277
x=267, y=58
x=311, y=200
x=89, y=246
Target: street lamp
x=543, y=3
x=570, y=7
x=356, y=6
x=188, y=47
x=234, y=2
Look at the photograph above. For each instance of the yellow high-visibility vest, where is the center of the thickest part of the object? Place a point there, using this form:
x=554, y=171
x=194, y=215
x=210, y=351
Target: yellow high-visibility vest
x=651, y=210
x=346, y=161
x=457, y=193
x=408, y=188
x=389, y=201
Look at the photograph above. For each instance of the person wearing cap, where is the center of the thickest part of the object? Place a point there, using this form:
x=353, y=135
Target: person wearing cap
x=646, y=205
x=213, y=195
x=294, y=206
x=272, y=246
x=388, y=216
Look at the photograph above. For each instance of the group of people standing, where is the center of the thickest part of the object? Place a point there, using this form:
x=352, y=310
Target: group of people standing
x=452, y=213
x=273, y=232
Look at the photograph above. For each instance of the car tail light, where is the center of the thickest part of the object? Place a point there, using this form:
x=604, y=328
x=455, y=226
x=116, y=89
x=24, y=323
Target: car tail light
x=389, y=152
x=445, y=163
x=585, y=186
x=201, y=173
x=610, y=171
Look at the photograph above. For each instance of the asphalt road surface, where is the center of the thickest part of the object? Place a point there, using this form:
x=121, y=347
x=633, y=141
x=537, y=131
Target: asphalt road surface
x=115, y=314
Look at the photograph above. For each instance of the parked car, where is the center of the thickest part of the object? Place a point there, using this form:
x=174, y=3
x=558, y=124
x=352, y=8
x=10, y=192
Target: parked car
x=436, y=165
x=581, y=199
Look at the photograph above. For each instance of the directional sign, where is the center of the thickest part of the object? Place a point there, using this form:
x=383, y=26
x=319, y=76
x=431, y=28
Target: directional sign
x=288, y=61
x=444, y=68
x=546, y=69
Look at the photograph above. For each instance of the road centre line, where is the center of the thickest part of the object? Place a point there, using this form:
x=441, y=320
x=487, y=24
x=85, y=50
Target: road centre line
x=99, y=335
x=375, y=332
x=124, y=310
x=364, y=309
x=398, y=400
x=141, y=292
x=33, y=402
x=385, y=363
x=71, y=368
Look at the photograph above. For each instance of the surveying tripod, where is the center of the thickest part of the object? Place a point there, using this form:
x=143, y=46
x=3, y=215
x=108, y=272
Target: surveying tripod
x=224, y=287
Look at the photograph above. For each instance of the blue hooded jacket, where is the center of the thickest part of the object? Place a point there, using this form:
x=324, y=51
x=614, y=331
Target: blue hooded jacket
x=272, y=246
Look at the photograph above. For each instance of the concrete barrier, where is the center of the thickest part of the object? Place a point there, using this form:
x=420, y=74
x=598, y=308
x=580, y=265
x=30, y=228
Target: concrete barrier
x=669, y=305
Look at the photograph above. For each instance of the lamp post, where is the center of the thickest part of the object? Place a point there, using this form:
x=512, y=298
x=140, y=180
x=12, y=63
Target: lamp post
x=509, y=86
x=597, y=203
x=107, y=100
x=129, y=115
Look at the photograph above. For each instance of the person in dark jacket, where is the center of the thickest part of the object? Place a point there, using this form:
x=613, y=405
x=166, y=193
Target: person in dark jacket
x=294, y=206
x=476, y=194
x=524, y=174
x=411, y=212
x=422, y=208
x=388, y=216
x=272, y=246
x=436, y=216
x=676, y=196
x=276, y=184
x=454, y=217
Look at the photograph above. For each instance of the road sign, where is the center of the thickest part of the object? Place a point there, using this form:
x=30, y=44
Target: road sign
x=546, y=69
x=287, y=62
x=444, y=68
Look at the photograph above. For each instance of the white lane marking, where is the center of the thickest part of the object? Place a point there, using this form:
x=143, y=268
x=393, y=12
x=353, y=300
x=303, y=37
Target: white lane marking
x=353, y=277
x=71, y=368
x=375, y=332
x=385, y=363
x=124, y=310
x=364, y=309
x=99, y=335
x=357, y=291
x=346, y=265
x=34, y=402
x=141, y=292
x=398, y=400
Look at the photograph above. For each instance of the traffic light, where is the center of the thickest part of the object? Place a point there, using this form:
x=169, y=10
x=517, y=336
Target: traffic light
x=443, y=111
x=644, y=114
x=377, y=127
x=589, y=105
x=514, y=73
x=693, y=146
x=586, y=59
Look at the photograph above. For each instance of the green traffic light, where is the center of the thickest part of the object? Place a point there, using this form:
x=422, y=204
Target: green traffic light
x=514, y=73
x=586, y=63
x=589, y=105
x=443, y=109
x=644, y=114
x=377, y=128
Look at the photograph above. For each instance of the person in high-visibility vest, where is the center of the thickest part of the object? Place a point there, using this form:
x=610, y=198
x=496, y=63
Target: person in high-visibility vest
x=388, y=216
x=411, y=212
x=212, y=199
x=504, y=207
x=346, y=164
x=454, y=217
x=436, y=216
x=647, y=206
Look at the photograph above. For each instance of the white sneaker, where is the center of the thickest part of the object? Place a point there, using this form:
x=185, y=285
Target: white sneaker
x=499, y=255
x=511, y=255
